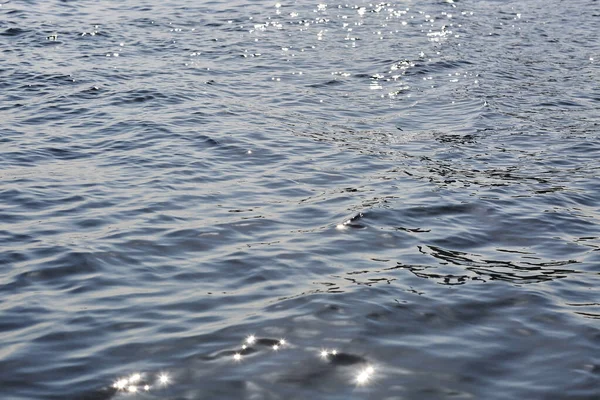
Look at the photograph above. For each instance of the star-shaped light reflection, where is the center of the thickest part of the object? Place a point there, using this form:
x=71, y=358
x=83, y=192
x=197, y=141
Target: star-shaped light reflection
x=365, y=376
x=163, y=379
x=121, y=384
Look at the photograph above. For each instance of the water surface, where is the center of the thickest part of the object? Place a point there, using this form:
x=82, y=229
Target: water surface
x=406, y=193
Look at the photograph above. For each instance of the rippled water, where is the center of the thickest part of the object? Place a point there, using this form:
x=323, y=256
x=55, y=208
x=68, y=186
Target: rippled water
x=406, y=193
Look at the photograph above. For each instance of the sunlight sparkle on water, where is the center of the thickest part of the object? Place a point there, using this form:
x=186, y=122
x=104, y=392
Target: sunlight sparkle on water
x=343, y=225
x=121, y=384
x=365, y=375
x=326, y=353
x=135, y=378
x=163, y=379
x=133, y=383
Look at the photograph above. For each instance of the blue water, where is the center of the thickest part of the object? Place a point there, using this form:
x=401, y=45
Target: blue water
x=397, y=200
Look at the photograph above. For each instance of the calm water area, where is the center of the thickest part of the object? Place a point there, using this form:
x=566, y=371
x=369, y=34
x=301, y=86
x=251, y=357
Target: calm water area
x=299, y=200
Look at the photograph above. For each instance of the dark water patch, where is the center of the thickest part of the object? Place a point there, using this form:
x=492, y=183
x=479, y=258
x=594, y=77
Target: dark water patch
x=420, y=68
x=332, y=82
x=89, y=93
x=64, y=268
x=12, y=257
x=345, y=359
x=142, y=96
x=62, y=153
x=13, y=32
x=473, y=268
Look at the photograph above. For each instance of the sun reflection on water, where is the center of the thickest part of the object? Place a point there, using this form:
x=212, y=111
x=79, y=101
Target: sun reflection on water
x=137, y=382
x=120, y=384
x=251, y=339
x=324, y=354
x=365, y=375
x=142, y=382
x=135, y=378
x=163, y=379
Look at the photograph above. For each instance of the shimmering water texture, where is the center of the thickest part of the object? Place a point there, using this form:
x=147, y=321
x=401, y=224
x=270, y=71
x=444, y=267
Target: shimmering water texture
x=300, y=200
x=137, y=382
